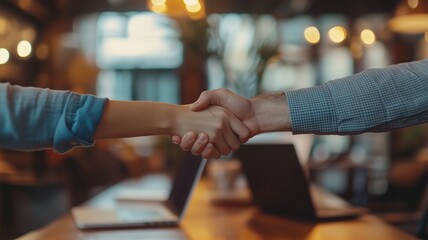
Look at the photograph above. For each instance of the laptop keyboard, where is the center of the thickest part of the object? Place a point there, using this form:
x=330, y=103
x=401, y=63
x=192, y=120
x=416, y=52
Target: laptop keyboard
x=140, y=214
x=325, y=200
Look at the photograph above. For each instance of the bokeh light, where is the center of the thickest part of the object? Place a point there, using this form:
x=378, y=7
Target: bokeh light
x=24, y=48
x=194, y=8
x=4, y=55
x=368, y=37
x=337, y=34
x=312, y=35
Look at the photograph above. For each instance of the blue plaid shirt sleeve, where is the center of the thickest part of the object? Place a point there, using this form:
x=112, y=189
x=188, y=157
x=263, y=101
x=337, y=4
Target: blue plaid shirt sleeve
x=34, y=118
x=374, y=100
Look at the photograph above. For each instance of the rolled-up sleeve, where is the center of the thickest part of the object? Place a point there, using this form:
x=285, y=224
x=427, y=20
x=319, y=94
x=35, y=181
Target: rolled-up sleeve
x=375, y=100
x=34, y=118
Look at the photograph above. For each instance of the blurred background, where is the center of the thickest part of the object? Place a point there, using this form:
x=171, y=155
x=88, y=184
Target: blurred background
x=171, y=51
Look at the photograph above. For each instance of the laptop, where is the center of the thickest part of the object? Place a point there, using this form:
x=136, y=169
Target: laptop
x=279, y=185
x=146, y=213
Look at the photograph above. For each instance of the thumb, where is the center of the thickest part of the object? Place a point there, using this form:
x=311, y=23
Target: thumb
x=206, y=99
x=176, y=139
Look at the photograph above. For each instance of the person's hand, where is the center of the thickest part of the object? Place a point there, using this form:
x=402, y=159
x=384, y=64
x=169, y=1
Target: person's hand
x=241, y=107
x=238, y=105
x=216, y=131
x=264, y=113
x=192, y=142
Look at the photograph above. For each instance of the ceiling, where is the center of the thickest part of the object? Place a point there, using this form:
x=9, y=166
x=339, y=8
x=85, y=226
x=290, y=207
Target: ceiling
x=46, y=10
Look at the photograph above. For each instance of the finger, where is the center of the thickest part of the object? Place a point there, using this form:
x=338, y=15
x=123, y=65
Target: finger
x=222, y=146
x=210, y=152
x=200, y=144
x=232, y=139
x=187, y=141
x=240, y=129
x=176, y=139
x=206, y=99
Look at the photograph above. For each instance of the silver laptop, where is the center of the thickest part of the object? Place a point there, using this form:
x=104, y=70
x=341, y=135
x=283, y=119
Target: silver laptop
x=279, y=185
x=150, y=213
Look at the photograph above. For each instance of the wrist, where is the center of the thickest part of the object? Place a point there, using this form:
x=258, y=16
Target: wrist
x=271, y=112
x=168, y=116
x=178, y=118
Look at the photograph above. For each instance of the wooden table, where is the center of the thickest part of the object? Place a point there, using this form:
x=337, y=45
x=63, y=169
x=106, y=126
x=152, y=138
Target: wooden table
x=207, y=221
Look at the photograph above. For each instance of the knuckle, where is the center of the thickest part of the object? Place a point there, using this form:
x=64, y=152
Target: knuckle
x=208, y=153
x=246, y=135
x=203, y=139
x=235, y=146
x=225, y=151
x=184, y=146
x=194, y=152
x=223, y=90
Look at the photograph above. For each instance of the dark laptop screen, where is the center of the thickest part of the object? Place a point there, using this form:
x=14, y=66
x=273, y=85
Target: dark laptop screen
x=187, y=176
x=276, y=179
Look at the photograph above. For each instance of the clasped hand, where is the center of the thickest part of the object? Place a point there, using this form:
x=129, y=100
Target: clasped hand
x=229, y=134
x=247, y=117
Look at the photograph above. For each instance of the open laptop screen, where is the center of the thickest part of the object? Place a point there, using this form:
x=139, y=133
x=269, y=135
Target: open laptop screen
x=276, y=179
x=184, y=182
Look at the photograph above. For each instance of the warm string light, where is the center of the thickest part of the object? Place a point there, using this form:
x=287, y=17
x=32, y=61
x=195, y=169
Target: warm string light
x=312, y=35
x=158, y=6
x=193, y=6
x=191, y=2
x=158, y=2
x=4, y=55
x=337, y=34
x=24, y=49
x=368, y=37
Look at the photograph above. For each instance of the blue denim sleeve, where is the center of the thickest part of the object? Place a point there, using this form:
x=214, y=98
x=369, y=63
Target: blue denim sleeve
x=34, y=118
x=375, y=100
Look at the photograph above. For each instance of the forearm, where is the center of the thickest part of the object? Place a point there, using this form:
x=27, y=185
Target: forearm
x=374, y=100
x=137, y=118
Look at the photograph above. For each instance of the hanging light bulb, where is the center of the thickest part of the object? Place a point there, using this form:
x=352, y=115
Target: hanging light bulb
x=411, y=17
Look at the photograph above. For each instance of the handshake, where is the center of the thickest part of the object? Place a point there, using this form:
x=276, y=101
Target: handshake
x=233, y=120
